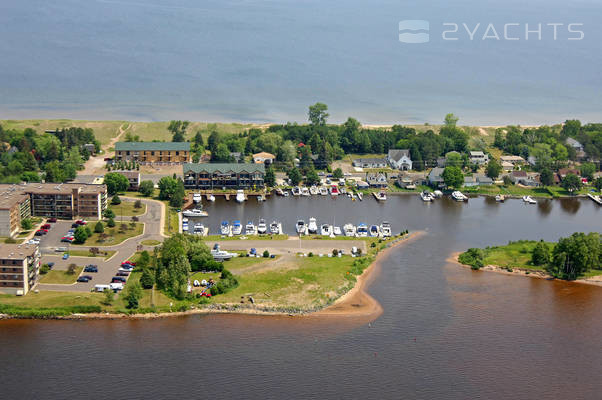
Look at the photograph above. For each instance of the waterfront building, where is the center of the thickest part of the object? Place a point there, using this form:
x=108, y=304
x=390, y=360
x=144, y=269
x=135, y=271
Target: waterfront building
x=153, y=152
x=19, y=268
x=223, y=176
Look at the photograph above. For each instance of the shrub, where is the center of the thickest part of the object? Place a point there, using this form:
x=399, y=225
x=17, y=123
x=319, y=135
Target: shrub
x=108, y=299
x=111, y=223
x=115, y=200
x=44, y=269
x=310, y=254
x=109, y=213
x=540, y=254
x=138, y=204
x=10, y=240
x=266, y=254
x=335, y=252
x=99, y=227
x=147, y=280
x=71, y=269
x=26, y=224
x=473, y=257
x=146, y=188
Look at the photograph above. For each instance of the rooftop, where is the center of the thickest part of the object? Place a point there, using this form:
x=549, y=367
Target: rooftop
x=228, y=167
x=397, y=154
x=14, y=194
x=152, y=146
x=263, y=154
x=17, y=251
x=371, y=160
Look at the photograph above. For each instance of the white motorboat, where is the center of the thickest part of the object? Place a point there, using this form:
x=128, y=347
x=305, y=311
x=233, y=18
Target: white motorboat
x=184, y=226
x=380, y=196
x=374, y=230
x=437, y=194
x=279, y=192
x=323, y=191
x=334, y=190
x=285, y=193
x=236, y=227
x=196, y=197
x=500, y=198
x=225, y=228
x=221, y=255
x=595, y=198
x=262, y=228
x=325, y=230
x=211, y=198
x=199, y=229
x=195, y=212
x=305, y=191
x=343, y=189
x=426, y=196
x=336, y=230
x=459, y=196
x=362, y=230
x=349, y=230
x=240, y=196
x=360, y=196
x=301, y=227
x=250, y=228
x=312, y=227
x=385, y=229
x=529, y=200
x=296, y=191
x=275, y=228
x=314, y=190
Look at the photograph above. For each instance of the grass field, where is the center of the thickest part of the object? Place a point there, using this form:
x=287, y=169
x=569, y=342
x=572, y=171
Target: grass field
x=115, y=237
x=61, y=277
x=126, y=208
x=150, y=242
x=106, y=254
x=52, y=299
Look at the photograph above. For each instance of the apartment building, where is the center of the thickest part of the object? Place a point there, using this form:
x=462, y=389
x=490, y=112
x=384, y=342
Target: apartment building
x=220, y=176
x=133, y=178
x=62, y=200
x=153, y=152
x=19, y=268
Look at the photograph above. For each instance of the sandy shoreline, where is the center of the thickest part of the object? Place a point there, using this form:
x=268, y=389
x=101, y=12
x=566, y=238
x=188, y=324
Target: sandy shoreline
x=595, y=280
x=356, y=303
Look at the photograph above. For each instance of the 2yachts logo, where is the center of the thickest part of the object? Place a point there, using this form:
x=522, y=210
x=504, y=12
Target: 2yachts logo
x=418, y=31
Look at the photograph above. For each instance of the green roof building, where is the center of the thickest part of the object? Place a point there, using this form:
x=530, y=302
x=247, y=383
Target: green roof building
x=153, y=152
x=209, y=176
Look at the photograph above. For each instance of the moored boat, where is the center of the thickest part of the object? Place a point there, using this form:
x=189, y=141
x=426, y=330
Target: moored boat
x=301, y=227
x=529, y=200
x=262, y=228
x=336, y=230
x=385, y=229
x=426, y=196
x=323, y=191
x=305, y=191
x=240, y=196
x=325, y=230
x=236, y=227
x=196, y=197
x=374, y=230
x=312, y=227
x=500, y=198
x=595, y=198
x=275, y=228
x=314, y=190
x=250, y=228
x=360, y=196
x=459, y=196
x=349, y=230
x=334, y=190
x=225, y=228
x=296, y=191
x=362, y=230
x=380, y=196
x=195, y=212
x=221, y=255
x=211, y=198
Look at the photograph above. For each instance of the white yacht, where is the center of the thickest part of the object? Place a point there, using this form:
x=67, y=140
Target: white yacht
x=426, y=196
x=195, y=212
x=437, y=194
x=374, y=231
x=313, y=190
x=275, y=228
x=529, y=200
x=240, y=196
x=225, y=228
x=305, y=191
x=196, y=197
x=325, y=230
x=312, y=227
x=336, y=230
x=250, y=228
x=211, y=198
x=236, y=227
x=262, y=228
x=459, y=196
x=323, y=191
x=349, y=230
x=380, y=196
x=385, y=229
x=362, y=230
x=296, y=191
x=301, y=227
x=221, y=255
x=199, y=229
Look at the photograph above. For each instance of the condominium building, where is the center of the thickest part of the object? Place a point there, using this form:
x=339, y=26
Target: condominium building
x=62, y=200
x=223, y=176
x=19, y=268
x=133, y=178
x=153, y=152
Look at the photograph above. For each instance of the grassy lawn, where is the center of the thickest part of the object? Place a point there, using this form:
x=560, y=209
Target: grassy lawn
x=115, y=236
x=150, y=242
x=238, y=263
x=52, y=299
x=104, y=131
x=171, y=219
x=61, y=277
x=307, y=283
x=126, y=208
x=106, y=254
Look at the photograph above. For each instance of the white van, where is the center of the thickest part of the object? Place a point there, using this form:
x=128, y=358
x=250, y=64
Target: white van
x=101, y=288
x=116, y=286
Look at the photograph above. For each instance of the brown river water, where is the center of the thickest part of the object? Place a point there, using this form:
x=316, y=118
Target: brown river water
x=446, y=332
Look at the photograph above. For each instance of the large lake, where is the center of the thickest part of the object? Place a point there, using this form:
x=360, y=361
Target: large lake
x=446, y=332
x=267, y=60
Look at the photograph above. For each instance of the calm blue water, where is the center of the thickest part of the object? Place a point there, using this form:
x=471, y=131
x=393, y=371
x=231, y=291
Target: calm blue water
x=262, y=60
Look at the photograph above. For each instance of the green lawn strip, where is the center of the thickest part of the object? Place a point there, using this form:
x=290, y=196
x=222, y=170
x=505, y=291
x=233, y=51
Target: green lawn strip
x=150, y=242
x=126, y=208
x=114, y=235
x=106, y=254
x=56, y=276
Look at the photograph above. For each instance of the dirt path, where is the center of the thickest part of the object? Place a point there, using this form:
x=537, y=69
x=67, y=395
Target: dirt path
x=95, y=165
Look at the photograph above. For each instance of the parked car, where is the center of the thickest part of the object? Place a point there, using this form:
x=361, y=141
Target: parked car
x=60, y=249
x=51, y=219
x=118, y=279
x=65, y=256
x=81, y=222
x=46, y=226
x=39, y=233
x=50, y=265
x=74, y=225
x=126, y=265
x=129, y=262
x=67, y=239
x=88, y=277
x=83, y=279
x=123, y=273
x=91, y=268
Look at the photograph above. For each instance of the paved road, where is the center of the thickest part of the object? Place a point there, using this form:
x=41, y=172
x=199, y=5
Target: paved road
x=153, y=222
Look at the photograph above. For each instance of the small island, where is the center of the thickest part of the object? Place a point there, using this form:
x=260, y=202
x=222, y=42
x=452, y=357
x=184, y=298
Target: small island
x=574, y=258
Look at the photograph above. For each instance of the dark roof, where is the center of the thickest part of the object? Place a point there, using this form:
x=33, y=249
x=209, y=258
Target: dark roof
x=396, y=154
x=152, y=146
x=371, y=160
x=229, y=167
